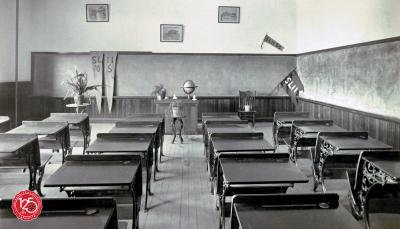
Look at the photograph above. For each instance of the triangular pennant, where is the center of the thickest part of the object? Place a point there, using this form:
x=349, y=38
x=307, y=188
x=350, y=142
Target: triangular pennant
x=96, y=59
x=110, y=60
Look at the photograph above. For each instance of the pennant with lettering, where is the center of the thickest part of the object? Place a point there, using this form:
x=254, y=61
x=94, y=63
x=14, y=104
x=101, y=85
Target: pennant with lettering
x=97, y=77
x=293, y=85
x=110, y=60
x=269, y=40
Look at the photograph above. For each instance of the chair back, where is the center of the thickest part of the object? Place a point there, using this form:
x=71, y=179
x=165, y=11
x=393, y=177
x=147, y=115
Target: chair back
x=247, y=98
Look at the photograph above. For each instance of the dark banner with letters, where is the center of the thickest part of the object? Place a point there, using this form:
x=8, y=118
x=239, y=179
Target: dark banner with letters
x=97, y=77
x=292, y=85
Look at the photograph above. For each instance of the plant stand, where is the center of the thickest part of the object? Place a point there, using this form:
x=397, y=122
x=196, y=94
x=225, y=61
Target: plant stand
x=174, y=130
x=78, y=108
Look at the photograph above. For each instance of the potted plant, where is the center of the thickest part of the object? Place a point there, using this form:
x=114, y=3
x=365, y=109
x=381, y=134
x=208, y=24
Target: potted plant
x=159, y=91
x=78, y=87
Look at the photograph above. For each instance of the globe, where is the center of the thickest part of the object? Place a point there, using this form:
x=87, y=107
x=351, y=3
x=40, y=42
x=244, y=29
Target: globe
x=189, y=87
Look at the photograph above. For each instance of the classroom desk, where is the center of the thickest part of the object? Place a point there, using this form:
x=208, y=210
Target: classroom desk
x=107, y=172
x=220, y=115
x=114, y=143
x=290, y=211
x=65, y=214
x=283, y=120
x=55, y=132
x=159, y=118
x=344, y=148
x=136, y=127
x=4, y=124
x=212, y=127
x=232, y=143
x=80, y=120
x=254, y=173
x=304, y=134
x=22, y=151
x=373, y=168
x=212, y=117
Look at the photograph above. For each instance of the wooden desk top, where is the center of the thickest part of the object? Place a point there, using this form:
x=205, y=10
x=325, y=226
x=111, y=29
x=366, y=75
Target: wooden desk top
x=94, y=173
x=145, y=119
x=39, y=128
x=289, y=119
x=71, y=118
x=117, y=142
x=320, y=128
x=4, y=119
x=135, y=130
x=390, y=166
x=10, y=143
x=219, y=114
x=260, y=171
x=135, y=127
x=228, y=143
x=229, y=128
x=220, y=118
x=255, y=217
x=355, y=143
x=60, y=221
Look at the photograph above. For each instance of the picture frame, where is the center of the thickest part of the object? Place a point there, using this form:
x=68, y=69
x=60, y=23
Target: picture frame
x=97, y=13
x=228, y=14
x=171, y=33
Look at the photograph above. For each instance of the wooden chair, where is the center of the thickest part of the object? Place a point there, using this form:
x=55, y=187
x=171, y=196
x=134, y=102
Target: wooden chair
x=247, y=102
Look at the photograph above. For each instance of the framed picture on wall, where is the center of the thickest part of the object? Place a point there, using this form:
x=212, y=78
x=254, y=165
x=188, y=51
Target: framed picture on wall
x=228, y=14
x=171, y=33
x=97, y=13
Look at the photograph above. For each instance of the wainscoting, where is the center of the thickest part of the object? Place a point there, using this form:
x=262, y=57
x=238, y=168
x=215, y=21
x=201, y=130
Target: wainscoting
x=40, y=106
x=7, y=98
x=382, y=128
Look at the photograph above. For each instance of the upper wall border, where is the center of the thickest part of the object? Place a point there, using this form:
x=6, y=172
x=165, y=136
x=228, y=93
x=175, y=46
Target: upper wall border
x=162, y=53
x=391, y=39
x=352, y=46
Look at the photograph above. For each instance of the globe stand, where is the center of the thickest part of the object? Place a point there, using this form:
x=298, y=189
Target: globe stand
x=188, y=87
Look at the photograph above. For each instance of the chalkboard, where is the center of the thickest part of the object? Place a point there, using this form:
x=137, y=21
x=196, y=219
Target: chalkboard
x=366, y=78
x=137, y=74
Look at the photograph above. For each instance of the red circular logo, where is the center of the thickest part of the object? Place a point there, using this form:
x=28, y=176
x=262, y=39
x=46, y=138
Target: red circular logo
x=26, y=205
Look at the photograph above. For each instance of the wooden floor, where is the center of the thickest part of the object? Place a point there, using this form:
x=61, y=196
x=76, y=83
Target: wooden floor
x=182, y=192
x=182, y=196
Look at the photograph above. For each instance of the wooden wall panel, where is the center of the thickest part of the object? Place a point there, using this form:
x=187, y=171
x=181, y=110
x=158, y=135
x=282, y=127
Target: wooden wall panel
x=383, y=128
x=40, y=106
x=7, y=99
